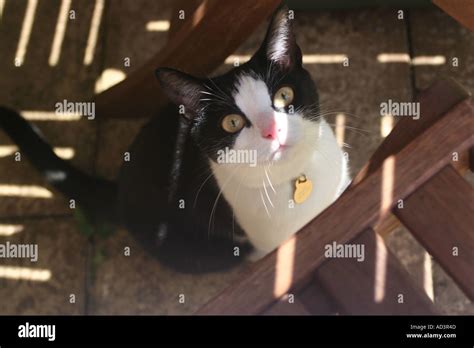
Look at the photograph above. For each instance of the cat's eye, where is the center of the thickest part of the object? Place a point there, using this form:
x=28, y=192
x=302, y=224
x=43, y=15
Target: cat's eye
x=283, y=97
x=233, y=123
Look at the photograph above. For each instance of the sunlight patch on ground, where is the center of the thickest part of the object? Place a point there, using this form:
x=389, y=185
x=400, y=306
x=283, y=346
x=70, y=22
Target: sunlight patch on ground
x=158, y=26
x=393, y=58
x=405, y=58
x=59, y=32
x=25, y=32
x=33, y=115
x=386, y=125
x=109, y=78
x=25, y=273
x=94, y=32
x=307, y=58
x=63, y=152
x=324, y=58
x=429, y=60
x=7, y=230
x=28, y=191
x=2, y=6
x=428, y=275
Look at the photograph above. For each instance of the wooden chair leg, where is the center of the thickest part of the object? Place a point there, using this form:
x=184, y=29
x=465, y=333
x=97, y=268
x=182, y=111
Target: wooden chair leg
x=379, y=284
x=440, y=214
x=311, y=300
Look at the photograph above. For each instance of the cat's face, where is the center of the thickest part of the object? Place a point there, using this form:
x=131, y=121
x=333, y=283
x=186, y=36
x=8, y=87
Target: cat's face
x=266, y=107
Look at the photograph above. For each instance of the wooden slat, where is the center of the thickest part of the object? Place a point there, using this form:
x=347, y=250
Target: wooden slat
x=434, y=102
x=460, y=10
x=197, y=48
x=176, y=23
x=317, y=301
x=283, y=307
x=409, y=169
x=440, y=214
x=387, y=225
x=377, y=285
x=463, y=164
x=390, y=223
x=311, y=300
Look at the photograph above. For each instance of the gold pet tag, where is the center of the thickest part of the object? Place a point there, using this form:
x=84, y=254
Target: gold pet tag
x=303, y=188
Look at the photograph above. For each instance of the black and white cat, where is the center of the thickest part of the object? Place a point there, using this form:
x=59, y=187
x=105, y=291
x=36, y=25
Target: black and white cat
x=169, y=195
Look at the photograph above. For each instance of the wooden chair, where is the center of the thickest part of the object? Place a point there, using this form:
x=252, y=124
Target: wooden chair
x=460, y=10
x=414, y=175
x=414, y=165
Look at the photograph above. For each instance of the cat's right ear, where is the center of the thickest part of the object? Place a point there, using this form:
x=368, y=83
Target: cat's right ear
x=181, y=88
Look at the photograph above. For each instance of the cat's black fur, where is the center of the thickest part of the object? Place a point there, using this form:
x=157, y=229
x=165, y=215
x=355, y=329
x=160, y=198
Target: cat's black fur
x=179, y=237
x=166, y=170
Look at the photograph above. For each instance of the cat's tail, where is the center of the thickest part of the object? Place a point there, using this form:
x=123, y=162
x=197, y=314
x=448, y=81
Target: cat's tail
x=95, y=196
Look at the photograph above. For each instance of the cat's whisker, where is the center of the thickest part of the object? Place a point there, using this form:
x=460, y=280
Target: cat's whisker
x=263, y=201
x=217, y=199
x=355, y=129
x=204, y=108
x=269, y=71
x=213, y=99
x=269, y=181
x=280, y=79
x=242, y=179
x=318, y=106
x=322, y=113
x=216, y=96
x=201, y=187
x=317, y=116
x=208, y=93
x=266, y=193
x=219, y=90
x=343, y=145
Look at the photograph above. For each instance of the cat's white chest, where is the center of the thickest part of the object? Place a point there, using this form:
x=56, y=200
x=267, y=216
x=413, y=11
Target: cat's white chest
x=268, y=213
x=269, y=217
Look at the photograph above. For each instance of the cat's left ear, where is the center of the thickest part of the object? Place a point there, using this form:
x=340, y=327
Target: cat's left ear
x=280, y=45
x=181, y=88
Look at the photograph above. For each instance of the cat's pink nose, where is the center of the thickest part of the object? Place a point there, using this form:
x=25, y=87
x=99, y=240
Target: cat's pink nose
x=271, y=132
